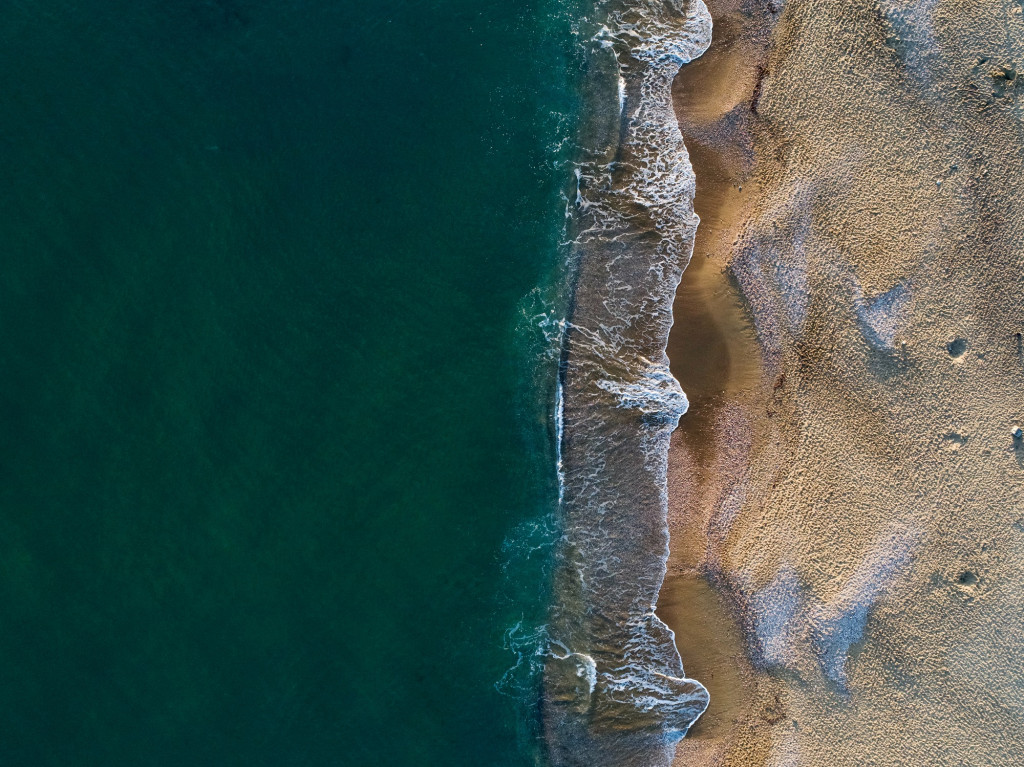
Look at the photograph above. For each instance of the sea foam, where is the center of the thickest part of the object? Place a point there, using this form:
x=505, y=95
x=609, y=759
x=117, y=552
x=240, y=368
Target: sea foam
x=614, y=688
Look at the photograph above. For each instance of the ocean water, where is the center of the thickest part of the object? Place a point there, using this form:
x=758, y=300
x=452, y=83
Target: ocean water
x=277, y=466
x=335, y=400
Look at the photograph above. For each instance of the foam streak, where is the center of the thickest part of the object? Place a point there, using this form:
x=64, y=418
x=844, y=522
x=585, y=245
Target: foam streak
x=615, y=692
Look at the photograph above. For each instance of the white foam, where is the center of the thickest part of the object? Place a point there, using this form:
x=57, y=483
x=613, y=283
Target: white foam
x=655, y=392
x=615, y=499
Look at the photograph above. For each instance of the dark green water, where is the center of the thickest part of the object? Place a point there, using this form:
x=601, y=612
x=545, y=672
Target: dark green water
x=265, y=420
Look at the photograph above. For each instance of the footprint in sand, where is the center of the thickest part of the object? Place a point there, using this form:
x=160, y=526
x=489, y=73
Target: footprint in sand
x=957, y=348
x=969, y=584
x=953, y=442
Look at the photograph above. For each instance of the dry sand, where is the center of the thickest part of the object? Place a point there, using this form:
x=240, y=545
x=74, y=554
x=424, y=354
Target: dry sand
x=847, y=495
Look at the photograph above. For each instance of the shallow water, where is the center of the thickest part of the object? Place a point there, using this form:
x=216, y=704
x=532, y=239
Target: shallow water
x=615, y=689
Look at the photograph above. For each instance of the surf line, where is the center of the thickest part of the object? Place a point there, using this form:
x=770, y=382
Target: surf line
x=614, y=691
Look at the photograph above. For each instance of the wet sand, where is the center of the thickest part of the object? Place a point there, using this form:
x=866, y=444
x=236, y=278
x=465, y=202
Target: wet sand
x=846, y=491
x=715, y=356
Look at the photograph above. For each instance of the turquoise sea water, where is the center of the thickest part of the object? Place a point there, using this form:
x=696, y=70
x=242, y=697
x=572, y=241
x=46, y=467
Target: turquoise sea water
x=268, y=411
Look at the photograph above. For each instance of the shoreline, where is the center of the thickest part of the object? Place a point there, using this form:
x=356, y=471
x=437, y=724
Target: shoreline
x=614, y=689
x=716, y=358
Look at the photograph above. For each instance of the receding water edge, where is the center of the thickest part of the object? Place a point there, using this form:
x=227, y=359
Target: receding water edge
x=612, y=687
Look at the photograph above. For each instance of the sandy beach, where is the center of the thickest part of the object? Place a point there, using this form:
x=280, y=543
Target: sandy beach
x=846, y=507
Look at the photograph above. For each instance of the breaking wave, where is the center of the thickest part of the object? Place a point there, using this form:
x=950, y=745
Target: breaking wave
x=614, y=691
x=610, y=683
